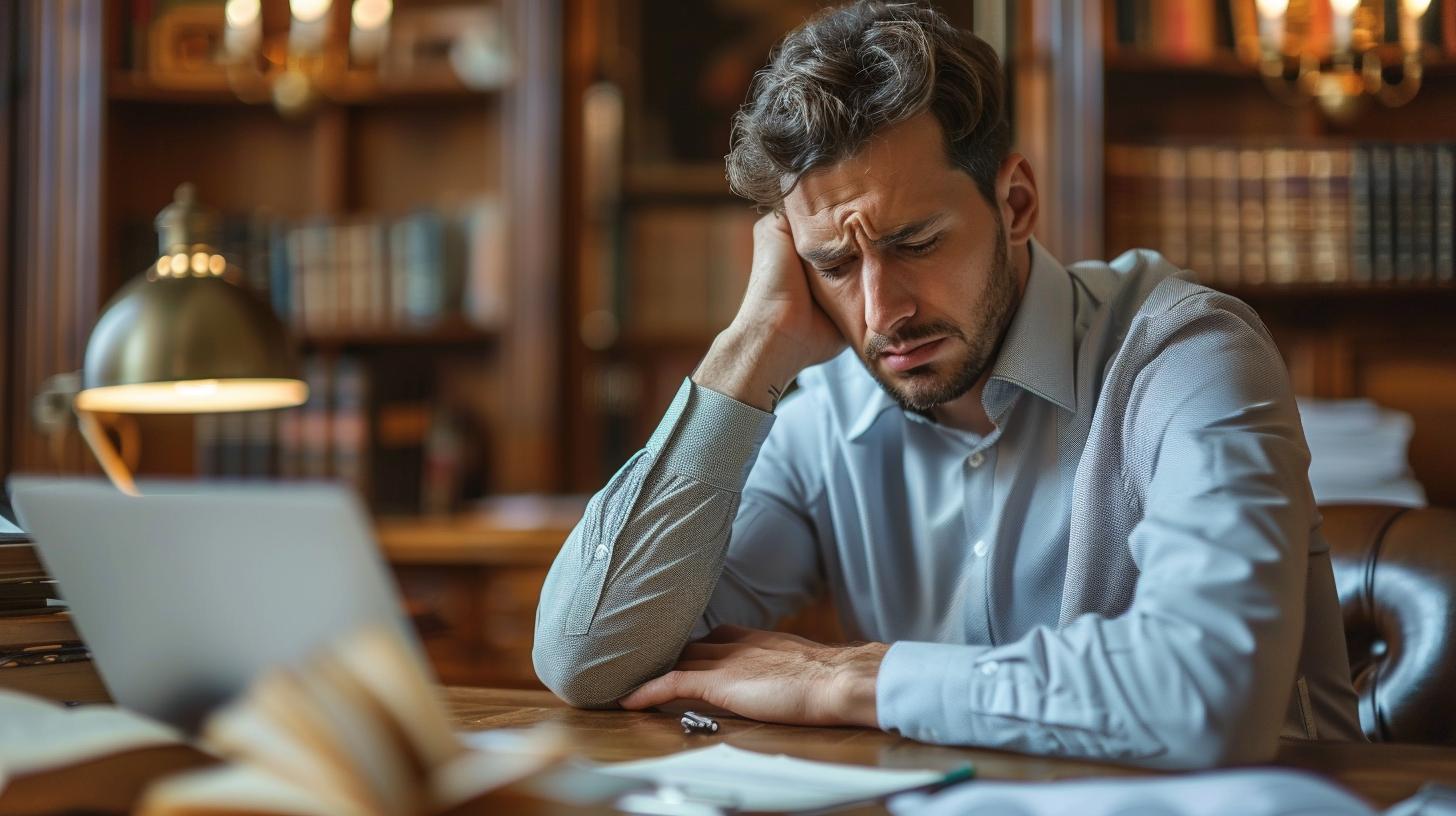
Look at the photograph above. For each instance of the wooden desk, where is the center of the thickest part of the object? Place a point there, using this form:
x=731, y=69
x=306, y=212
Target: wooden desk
x=1381, y=774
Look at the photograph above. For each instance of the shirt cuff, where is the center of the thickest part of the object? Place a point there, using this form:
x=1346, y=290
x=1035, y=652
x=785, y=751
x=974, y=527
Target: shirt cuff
x=710, y=437
x=923, y=690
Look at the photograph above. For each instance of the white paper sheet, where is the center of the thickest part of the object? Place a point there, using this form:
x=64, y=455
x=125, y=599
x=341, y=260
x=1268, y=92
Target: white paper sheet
x=1258, y=792
x=748, y=780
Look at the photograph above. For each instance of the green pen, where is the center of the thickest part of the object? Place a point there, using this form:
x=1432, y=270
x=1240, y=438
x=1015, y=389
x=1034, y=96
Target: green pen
x=953, y=777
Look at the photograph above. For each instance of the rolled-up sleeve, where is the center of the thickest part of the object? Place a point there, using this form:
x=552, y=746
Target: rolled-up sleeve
x=632, y=582
x=1198, y=670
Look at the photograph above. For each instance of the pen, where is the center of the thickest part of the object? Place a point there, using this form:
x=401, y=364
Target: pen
x=954, y=776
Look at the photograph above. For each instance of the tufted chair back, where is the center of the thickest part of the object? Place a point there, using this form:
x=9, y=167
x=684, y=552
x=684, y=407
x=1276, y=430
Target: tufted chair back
x=1395, y=570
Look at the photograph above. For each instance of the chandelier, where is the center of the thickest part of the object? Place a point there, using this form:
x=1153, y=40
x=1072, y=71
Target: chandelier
x=1293, y=67
x=293, y=70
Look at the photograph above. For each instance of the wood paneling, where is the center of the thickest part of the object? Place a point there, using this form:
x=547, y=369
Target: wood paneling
x=57, y=241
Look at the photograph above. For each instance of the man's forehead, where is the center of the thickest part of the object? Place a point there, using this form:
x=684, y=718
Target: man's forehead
x=905, y=162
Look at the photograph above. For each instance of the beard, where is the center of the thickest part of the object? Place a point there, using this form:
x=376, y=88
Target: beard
x=924, y=387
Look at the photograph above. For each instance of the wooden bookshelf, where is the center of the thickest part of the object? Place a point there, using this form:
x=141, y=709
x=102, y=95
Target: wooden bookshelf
x=370, y=152
x=1386, y=340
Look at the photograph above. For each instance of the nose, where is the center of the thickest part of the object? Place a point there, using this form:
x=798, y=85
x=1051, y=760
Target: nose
x=887, y=300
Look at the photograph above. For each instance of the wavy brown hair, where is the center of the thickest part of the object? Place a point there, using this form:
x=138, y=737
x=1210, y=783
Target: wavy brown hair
x=851, y=72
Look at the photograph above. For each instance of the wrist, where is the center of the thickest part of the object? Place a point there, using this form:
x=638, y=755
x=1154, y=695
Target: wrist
x=855, y=682
x=748, y=363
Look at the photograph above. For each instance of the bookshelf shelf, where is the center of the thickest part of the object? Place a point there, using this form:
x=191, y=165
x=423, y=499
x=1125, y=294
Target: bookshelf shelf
x=1343, y=292
x=363, y=92
x=1135, y=64
x=443, y=335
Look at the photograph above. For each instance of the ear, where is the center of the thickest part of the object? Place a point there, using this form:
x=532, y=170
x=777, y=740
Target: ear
x=1016, y=196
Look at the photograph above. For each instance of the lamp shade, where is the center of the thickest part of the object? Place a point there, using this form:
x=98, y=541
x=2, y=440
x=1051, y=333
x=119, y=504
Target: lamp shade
x=188, y=343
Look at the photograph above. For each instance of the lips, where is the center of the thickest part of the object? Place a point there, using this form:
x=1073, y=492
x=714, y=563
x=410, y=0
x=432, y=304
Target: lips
x=908, y=357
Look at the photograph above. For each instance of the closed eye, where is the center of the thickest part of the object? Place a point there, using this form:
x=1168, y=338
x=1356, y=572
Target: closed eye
x=831, y=272
x=922, y=248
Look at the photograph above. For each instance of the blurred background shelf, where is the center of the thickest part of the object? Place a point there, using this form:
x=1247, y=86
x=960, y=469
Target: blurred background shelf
x=362, y=91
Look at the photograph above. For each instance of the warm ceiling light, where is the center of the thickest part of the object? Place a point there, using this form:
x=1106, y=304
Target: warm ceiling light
x=1344, y=8
x=1416, y=8
x=371, y=14
x=242, y=13
x=307, y=11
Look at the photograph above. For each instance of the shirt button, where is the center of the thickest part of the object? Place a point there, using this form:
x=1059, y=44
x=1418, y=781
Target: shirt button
x=981, y=548
x=990, y=667
x=976, y=459
x=600, y=552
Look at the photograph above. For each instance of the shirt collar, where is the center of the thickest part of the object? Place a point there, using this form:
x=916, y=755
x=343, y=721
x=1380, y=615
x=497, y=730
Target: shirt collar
x=1037, y=354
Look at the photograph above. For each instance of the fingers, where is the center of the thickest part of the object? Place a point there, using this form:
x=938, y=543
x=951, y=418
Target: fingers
x=675, y=685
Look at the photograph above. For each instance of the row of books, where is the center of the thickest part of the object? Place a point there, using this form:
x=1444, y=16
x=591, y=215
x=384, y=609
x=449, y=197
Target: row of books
x=1194, y=31
x=367, y=274
x=688, y=268
x=376, y=428
x=1366, y=213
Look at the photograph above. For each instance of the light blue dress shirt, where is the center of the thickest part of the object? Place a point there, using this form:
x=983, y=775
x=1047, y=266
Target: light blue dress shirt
x=1128, y=566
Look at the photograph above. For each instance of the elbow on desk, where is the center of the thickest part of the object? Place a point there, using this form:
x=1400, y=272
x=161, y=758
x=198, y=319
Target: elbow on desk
x=579, y=680
x=1215, y=739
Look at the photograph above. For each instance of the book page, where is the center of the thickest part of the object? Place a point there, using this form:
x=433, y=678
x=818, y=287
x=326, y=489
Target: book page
x=38, y=735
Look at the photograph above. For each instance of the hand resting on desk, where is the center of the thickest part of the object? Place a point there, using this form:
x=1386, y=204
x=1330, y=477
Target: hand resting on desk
x=773, y=677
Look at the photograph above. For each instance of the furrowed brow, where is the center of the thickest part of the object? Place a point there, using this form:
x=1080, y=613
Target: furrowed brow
x=824, y=256
x=899, y=234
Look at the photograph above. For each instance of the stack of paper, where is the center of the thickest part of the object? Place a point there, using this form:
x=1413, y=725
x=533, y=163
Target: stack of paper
x=1358, y=453
x=733, y=779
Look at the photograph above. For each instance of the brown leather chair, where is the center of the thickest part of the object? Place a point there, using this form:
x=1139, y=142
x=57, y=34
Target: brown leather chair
x=1395, y=570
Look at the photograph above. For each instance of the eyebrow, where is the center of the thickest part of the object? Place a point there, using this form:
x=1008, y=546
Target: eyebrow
x=830, y=255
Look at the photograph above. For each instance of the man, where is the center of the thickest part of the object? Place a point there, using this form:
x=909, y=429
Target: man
x=1066, y=507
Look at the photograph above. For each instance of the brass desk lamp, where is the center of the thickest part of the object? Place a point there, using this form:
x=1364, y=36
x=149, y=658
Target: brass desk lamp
x=181, y=338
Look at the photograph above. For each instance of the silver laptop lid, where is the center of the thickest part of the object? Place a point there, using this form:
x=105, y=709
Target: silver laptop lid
x=185, y=594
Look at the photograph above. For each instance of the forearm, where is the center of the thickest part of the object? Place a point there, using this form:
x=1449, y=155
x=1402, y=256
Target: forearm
x=635, y=575
x=746, y=362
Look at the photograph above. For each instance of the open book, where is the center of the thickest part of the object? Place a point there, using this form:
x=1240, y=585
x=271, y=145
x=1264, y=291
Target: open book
x=358, y=729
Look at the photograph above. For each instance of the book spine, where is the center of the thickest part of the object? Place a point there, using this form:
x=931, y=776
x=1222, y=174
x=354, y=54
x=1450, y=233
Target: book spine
x=1201, y=204
x=1253, y=269
x=313, y=441
x=1173, y=204
x=1404, y=225
x=1320, y=260
x=350, y=426
x=1279, y=216
x=1423, y=193
x=1226, y=215
x=1382, y=213
x=487, y=285
x=1445, y=208
x=1362, y=251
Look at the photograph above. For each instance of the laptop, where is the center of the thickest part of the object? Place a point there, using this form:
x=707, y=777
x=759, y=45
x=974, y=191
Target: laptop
x=186, y=594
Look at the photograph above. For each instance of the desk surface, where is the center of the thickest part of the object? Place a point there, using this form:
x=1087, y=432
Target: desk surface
x=1383, y=774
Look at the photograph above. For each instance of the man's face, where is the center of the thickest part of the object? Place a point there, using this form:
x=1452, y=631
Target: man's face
x=909, y=261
